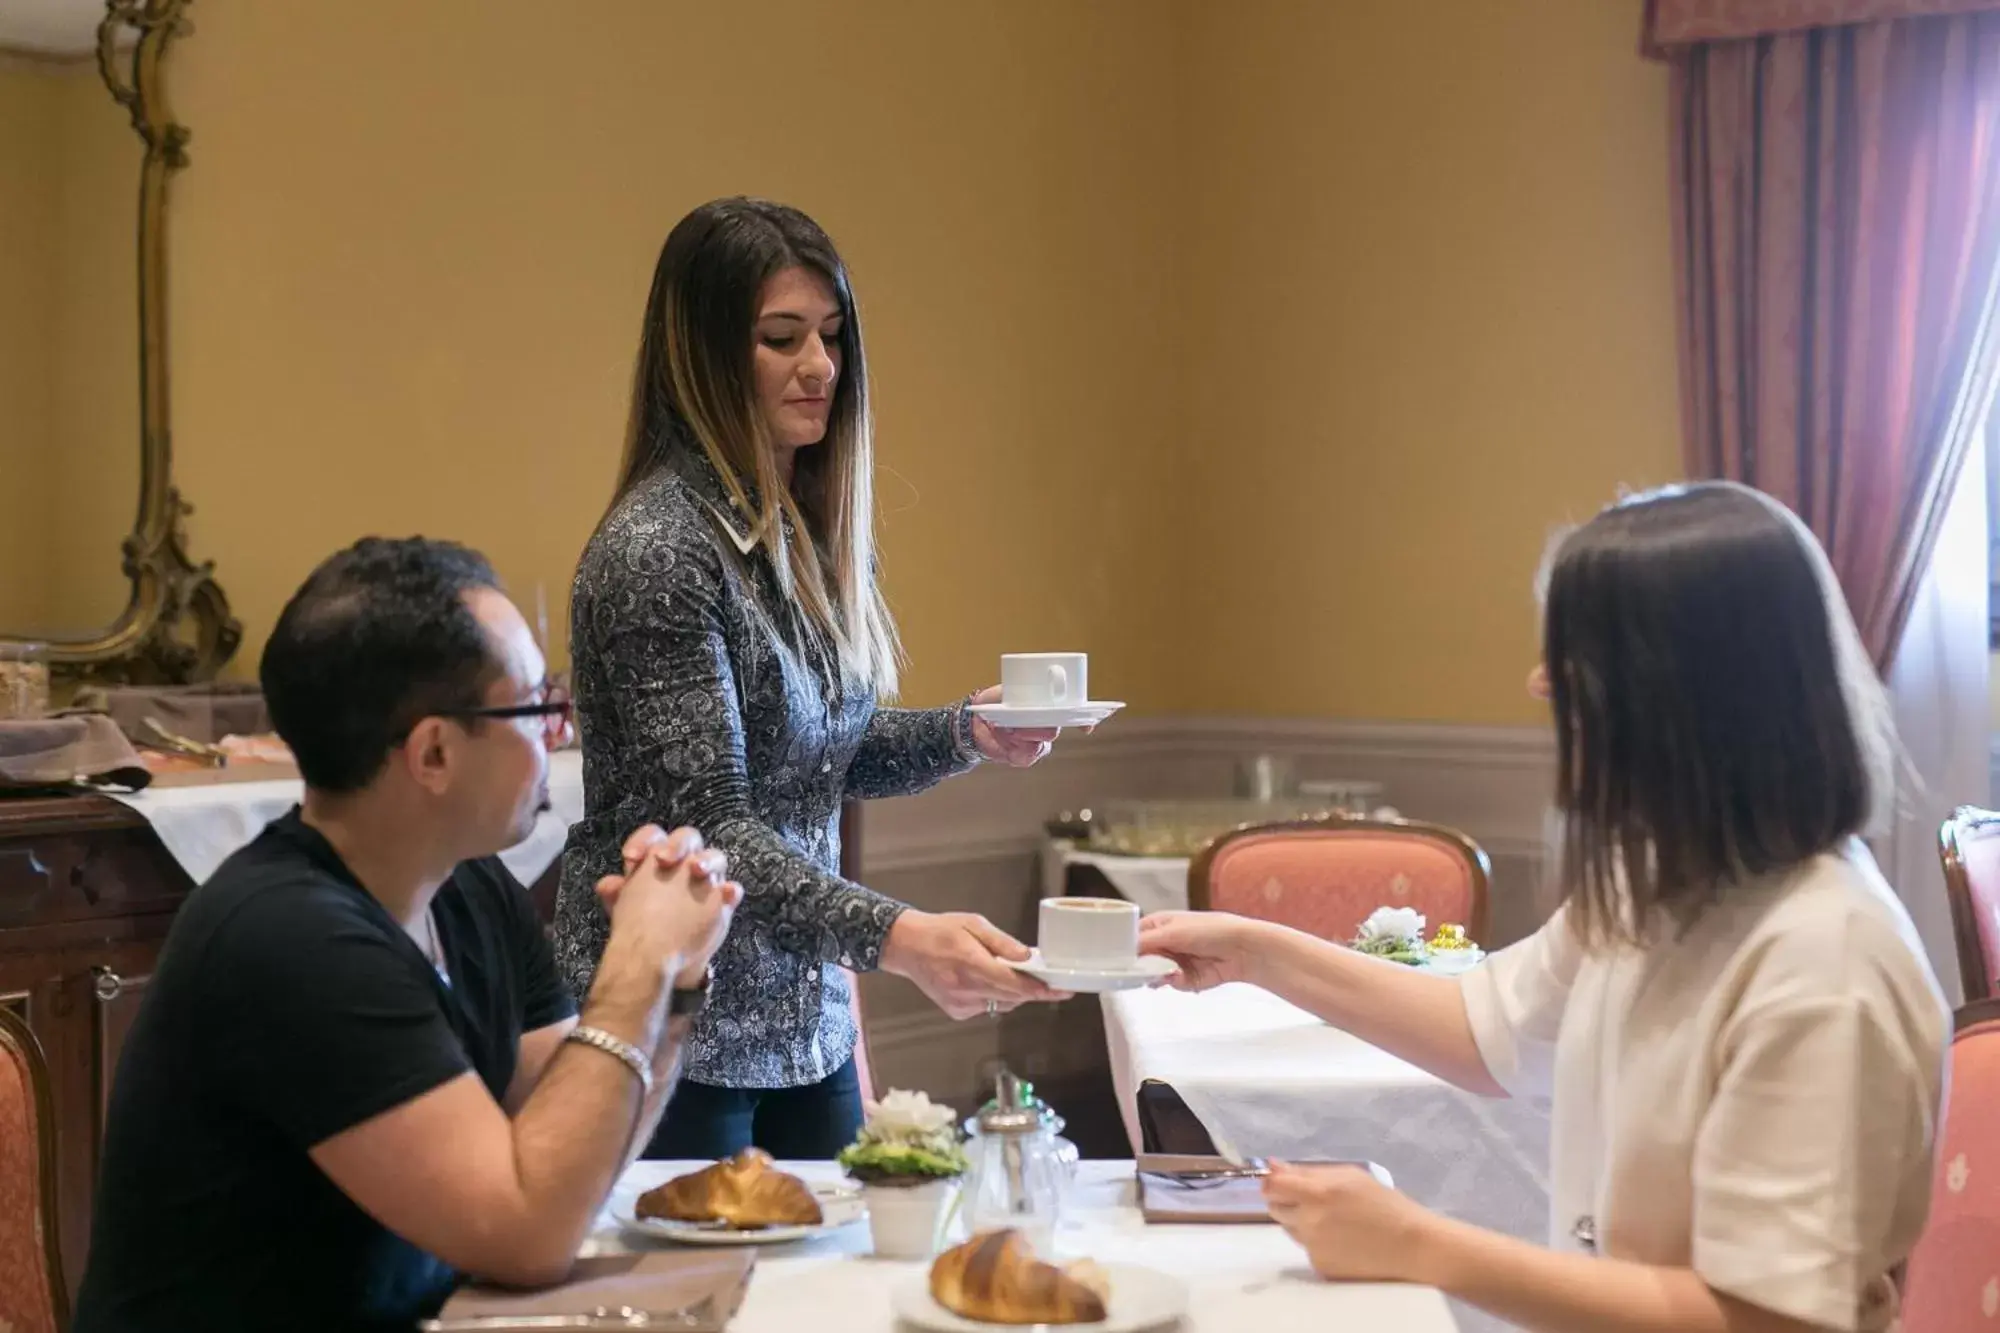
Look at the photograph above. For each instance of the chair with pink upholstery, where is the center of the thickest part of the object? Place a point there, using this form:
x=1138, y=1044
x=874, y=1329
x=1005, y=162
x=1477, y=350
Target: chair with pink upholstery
x=1324, y=876
x=1953, y=1280
x=1969, y=845
x=32, y=1296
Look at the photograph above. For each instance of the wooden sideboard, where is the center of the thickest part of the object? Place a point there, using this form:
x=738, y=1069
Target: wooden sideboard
x=86, y=895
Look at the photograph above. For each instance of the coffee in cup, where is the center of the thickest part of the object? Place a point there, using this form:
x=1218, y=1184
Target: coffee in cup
x=1089, y=933
x=1044, y=680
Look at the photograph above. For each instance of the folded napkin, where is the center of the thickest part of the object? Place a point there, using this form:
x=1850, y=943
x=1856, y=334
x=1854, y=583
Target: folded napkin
x=707, y=1283
x=66, y=751
x=1163, y=1200
x=1238, y=1199
x=204, y=713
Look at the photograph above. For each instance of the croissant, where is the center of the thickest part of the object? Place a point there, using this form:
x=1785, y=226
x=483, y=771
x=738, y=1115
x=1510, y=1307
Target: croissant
x=742, y=1191
x=994, y=1278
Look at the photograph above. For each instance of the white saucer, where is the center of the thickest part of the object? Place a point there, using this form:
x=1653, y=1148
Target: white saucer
x=1141, y=971
x=1141, y=1298
x=1453, y=962
x=1050, y=715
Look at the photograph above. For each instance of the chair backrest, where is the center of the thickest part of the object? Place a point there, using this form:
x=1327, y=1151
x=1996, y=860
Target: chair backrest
x=32, y=1298
x=1953, y=1280
x=1969, y=845
x=1324, y=876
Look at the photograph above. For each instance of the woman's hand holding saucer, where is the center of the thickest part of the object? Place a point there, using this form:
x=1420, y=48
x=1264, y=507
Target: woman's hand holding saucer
x=1210, y=948
x=1016, y=747
x=955, y=959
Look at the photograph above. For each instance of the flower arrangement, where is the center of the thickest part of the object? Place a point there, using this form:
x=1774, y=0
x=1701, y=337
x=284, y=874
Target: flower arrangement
x=1394, y=933
x=1397, y=934
x=907, y=1140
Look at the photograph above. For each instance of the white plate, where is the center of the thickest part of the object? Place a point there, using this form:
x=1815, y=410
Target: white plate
x=1141, y=1298
x=841, y=1205
x=1142, y=971
x=1055, y=715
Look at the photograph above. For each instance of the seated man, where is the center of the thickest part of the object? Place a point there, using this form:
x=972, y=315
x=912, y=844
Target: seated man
x=355, y=1075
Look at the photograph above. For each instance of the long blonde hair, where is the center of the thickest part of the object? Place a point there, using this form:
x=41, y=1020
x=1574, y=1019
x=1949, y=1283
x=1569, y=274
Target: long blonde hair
x=693, y=387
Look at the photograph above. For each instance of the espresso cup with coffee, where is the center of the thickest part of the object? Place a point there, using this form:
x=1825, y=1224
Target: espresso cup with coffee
x=1044, y=680
x=1089, y=934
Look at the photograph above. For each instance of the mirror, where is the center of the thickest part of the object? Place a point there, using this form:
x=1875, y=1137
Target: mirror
x=69, y=287
x=93, y=557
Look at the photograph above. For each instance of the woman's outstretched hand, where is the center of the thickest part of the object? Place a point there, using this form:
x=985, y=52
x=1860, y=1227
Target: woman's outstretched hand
x=1210, y=948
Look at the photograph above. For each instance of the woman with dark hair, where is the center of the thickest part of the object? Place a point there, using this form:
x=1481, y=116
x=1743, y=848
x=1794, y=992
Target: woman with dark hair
x=730, y=644
x=1730, y=1009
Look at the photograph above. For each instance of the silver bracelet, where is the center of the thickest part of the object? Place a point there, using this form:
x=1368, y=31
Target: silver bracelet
x=629, y=1055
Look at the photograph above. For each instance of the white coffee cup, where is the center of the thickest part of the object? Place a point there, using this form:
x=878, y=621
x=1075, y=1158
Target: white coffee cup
x=1088, y=932
x=1044, y=680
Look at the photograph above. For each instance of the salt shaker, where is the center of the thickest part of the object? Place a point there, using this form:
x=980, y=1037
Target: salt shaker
x=1016, y=1177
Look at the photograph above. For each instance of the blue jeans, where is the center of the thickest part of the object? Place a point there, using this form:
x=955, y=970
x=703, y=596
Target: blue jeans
x=707, y=1123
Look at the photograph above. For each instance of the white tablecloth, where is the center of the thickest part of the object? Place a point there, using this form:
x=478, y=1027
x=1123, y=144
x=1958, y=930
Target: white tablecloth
x=1271, y=1080
x=1155, y=883
x=1240, y=1277
x=201, y=826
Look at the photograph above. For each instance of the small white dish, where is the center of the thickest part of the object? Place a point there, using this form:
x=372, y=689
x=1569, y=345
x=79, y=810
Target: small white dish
x=1141, y=1298
x=1095, y=980
x=1452, y=962
x=1046, y=715
x=841, y=1205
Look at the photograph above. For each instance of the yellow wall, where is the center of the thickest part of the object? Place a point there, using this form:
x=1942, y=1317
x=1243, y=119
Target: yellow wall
x=412, y=252
x=1253, y=347
x=1431, y=319
x=96, y=387
x=27, y=298
x=69, y=346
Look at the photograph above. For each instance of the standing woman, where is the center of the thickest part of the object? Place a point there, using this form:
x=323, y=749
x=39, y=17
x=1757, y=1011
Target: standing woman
x=729, y=643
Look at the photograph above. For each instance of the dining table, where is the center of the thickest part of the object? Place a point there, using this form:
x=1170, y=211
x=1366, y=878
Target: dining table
x=1267, y=1079
x=1238, y=1276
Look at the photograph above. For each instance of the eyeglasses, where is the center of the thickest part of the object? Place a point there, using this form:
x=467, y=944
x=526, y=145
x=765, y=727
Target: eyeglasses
x=557, y=711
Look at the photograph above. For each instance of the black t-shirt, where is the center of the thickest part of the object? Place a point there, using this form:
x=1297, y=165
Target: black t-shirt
x=288, y=1006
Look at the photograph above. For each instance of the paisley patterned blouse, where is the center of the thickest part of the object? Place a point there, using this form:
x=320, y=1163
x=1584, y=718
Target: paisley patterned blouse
x=701, y=703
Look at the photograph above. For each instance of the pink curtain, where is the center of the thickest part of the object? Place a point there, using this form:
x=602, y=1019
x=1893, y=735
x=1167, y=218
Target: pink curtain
x=1678, y=22
x=1837, y=238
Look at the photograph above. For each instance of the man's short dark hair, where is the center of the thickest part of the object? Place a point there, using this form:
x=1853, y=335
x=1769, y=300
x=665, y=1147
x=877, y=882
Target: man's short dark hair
x=378, y=638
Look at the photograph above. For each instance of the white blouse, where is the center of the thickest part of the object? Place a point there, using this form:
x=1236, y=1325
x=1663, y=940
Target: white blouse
x=1757, y=1099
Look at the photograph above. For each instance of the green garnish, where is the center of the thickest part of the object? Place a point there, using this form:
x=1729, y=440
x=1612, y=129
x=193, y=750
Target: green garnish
x=872, y=1161
x=1396, y=950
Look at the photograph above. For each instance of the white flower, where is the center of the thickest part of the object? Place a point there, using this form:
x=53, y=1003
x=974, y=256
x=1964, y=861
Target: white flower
x=1957, y=1174
x=904, y=1114
x=1393, y=923
x=1989, y=1299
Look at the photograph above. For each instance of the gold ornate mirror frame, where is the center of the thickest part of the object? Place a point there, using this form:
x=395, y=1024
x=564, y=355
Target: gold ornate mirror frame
x=177, y=627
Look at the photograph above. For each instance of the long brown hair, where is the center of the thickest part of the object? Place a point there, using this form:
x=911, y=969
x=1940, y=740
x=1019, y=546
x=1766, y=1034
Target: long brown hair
x=1716, y=716
x=693, y=387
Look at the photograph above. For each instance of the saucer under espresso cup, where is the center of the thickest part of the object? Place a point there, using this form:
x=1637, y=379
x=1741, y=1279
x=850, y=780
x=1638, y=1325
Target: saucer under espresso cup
x=1091, y=945
x=1045, y=690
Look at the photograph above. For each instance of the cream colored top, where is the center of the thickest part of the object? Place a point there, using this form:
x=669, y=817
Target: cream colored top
x=1757, y=1100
